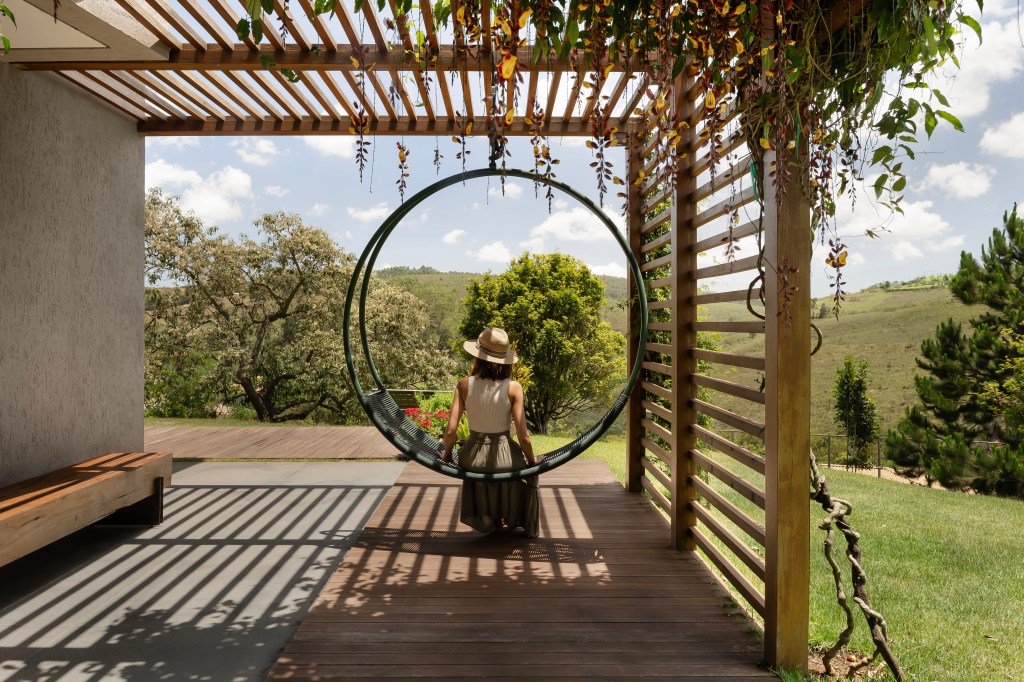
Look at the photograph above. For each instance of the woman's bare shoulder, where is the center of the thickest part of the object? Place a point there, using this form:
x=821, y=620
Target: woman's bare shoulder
x=514, y=387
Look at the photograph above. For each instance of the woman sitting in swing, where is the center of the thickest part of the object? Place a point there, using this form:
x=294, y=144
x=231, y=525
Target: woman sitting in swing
x=492, y=401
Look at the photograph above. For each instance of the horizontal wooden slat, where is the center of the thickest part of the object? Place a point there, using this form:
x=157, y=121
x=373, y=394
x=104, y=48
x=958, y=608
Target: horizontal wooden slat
x=728, y=267
x=738, y=581
x=736, y=171
x=656, y=242
x=657, y=221
x=740, y=550
x=656, y=263
x=722, y=297
x=731, y=359
x=729, y=510
x=737, y=233
x=658, y=283
x=659, y=348
x=290, y=125
x=745, y=327
x=737, y=483
x=727, y=447
x=658, y=367
x=661, y=326
x=648, y=205
x=659, y=410
x=656, y=429
x=748, y=426
x=703, y=162
x=659, y=497
x=661, y=453
x=657, y=390
x=655, y=471
x=751, y=394
x=659, y=305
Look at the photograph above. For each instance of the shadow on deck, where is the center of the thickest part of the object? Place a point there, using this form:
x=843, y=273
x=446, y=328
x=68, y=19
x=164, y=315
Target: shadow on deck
x=599, y=594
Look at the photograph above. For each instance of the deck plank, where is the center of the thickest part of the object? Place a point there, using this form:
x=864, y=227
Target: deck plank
x=270, y=443
x=599, y=594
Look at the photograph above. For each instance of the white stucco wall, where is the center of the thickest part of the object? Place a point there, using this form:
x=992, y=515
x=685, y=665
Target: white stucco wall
x=71, y=277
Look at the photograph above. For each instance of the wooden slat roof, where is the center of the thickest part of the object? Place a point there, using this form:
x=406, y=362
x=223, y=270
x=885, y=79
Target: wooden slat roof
x=211, y=83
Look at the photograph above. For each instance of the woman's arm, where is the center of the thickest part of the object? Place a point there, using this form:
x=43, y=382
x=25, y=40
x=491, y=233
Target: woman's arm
x=515, y=395
x=453, y=419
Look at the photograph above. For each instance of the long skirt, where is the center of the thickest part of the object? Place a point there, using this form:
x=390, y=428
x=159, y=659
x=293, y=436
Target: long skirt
x=485, y=504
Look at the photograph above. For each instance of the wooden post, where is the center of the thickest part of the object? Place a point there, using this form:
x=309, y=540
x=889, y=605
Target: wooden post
x=787, y=239
x=634, y=221
x=684, y=335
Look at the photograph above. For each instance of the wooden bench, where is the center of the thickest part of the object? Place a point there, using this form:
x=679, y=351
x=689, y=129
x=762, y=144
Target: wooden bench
x=121, y=487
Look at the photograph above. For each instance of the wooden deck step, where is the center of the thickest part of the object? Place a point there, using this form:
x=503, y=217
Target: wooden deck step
x=599, y=594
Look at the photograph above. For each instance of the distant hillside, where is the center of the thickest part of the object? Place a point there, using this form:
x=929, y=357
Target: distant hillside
x=884, y=326
x=442, y=293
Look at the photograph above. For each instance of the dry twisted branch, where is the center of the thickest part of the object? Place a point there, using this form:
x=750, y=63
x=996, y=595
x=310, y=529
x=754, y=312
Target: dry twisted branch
x=837, y=510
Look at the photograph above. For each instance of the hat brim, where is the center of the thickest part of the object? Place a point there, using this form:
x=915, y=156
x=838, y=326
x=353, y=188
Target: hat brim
x=509, y=358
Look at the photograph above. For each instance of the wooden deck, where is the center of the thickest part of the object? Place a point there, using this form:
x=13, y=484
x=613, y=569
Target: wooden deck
x=269, y=442
x=599, y=594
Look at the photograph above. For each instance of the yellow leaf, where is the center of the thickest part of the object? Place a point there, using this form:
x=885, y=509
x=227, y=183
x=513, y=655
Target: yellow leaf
x=355, y=61
x=765, y=144
x=401, y=155
x=791, y=144
x=740, y=9
x=607, y=70
x=508, y=67
x=460, y=16
x=469, y=128
x=454, y=139
x=709, y=99
x=725, y=8
x=739, y=45
x=524, y=17
x=352, y=130
x=509, y=115
x=842, y=259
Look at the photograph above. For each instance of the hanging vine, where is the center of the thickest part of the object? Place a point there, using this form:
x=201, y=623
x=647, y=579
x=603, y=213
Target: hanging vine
x=822, y=90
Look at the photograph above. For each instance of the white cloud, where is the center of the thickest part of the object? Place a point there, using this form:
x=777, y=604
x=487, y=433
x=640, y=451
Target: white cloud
x=1007, y=138
x=574, y=225
x=331, y=145
x=947, y=244
x=613, y=269
x=369, y=215
x=172, y=142
x=277, y=191
x=904, y=250
x=213, y=198
x=534, y=245
x=495, y=252
x=348, y=234
x=169, y=176
x=561, y=205
x=997, y=60
x=513, y=190
x=453, y=236
x=216, y=198
x=575, y=142
x=256, y=151
x=959, y=180
x=319, y=209
x=856, y=259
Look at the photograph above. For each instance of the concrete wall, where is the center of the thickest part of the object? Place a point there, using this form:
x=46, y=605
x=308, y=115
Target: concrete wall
x=71, y=277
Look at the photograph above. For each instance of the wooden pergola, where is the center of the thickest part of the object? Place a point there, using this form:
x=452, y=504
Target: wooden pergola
x=178, y=68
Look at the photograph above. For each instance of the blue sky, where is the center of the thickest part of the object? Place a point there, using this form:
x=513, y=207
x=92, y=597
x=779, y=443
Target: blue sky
x=958, y=189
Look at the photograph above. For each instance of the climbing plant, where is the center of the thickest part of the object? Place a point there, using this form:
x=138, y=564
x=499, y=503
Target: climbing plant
x=827, y=88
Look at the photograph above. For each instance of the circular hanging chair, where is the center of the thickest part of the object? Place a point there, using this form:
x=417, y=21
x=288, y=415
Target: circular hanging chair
x=393, y=422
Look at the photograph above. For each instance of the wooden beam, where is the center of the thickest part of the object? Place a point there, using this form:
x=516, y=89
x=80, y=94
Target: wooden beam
x=634, y=408
x=225, y=39
x=787, y=231
x=292, y=125
x=320, y=25
x=148, y=93
x=257, y=94
x=684, y=339
x=231, y=17
x=151, y=22
x=103, y=93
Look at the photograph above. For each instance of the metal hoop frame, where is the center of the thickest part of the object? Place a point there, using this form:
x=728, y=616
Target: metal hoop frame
x=427, y=450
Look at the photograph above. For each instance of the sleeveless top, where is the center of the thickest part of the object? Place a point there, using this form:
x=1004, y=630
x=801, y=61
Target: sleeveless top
x=488, y=409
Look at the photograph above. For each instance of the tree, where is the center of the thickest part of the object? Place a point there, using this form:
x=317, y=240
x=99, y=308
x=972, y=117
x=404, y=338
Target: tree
x=964, y=431
x=261, y=320
x=550, y=306
x=855, y=409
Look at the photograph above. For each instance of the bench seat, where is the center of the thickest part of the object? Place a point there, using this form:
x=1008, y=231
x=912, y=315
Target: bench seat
x=125, y=486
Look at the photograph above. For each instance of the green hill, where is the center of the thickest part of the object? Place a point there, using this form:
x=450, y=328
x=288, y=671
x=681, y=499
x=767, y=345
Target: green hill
x=442, y=293
x=884, y=326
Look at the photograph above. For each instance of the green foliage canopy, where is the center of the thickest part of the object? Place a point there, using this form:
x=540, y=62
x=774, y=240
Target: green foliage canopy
x=550, y=305
x=261, y=321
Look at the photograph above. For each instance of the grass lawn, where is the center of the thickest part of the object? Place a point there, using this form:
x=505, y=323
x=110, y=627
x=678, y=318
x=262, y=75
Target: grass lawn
x=945, y=569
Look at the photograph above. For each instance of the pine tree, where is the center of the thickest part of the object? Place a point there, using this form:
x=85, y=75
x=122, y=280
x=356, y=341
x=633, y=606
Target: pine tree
x=945, y=436
x=855, y=410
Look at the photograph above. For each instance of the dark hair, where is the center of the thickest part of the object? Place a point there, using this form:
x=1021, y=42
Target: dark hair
x=490, y=370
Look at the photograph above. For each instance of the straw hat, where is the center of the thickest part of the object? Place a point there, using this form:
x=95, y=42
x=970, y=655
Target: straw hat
x=491, y=345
